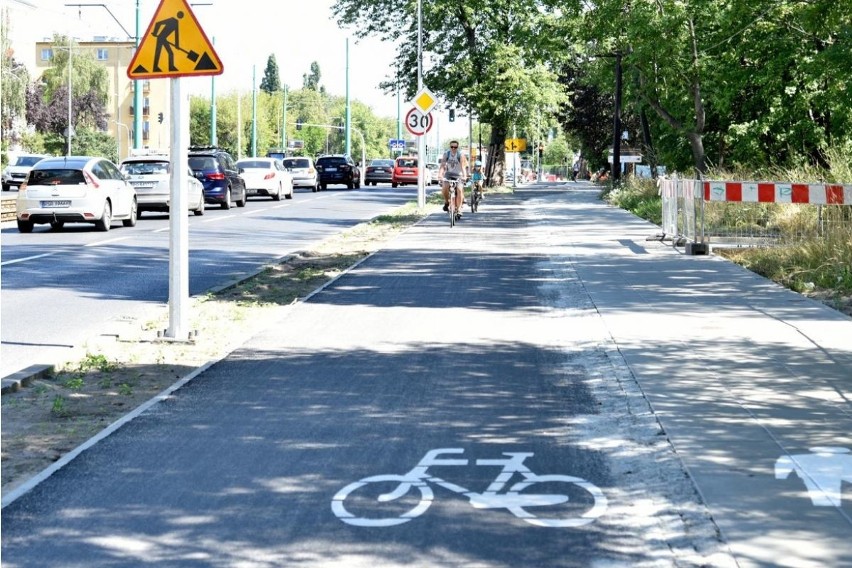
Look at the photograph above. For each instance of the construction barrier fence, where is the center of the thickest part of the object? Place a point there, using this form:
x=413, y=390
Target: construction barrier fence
x=746, y=213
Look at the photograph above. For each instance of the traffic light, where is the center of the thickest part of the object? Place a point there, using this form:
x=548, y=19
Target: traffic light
x=160, y=118
x=452, y=115
x=298, y=124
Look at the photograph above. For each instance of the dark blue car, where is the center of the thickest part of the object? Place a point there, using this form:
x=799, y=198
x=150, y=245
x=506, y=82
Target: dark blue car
x=219, y=175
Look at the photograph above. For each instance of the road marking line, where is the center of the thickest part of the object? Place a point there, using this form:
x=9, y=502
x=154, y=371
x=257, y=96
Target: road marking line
x=115, y=240
x=27, y=258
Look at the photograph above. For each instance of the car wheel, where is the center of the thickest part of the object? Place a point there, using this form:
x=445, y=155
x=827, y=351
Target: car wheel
x=323, y=186
x=199, y=209
x=134, y=214
x=277, y=196
x=105, y=221
x=227, y=203
x=5, y=187
x=394, y=184
x=350, y=185
x=242, y=202
x=25, y=226
x=290, y=194
x=315, y=188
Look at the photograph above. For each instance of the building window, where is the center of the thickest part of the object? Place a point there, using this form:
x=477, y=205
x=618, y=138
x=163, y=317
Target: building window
x=103, y=54
x=46, y=54
x=146, y=131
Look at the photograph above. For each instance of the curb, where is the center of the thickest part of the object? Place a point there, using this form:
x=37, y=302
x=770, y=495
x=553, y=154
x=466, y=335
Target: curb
x=25, y=377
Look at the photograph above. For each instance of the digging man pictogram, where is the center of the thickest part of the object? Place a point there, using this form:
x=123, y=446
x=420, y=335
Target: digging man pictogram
x=163, y=29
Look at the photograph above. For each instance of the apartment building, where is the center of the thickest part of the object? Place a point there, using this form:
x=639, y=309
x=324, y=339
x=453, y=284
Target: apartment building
x=115, y=55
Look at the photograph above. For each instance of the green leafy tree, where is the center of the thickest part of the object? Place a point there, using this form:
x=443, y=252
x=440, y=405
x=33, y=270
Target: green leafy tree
x=497, y=61
x=48, y=98
x=311, y=80
x=15, y=80
x=271, y=82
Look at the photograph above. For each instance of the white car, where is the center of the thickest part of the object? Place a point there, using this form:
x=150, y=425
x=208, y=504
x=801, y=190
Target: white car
x=151, y=178
x=266, y=176
x=75, y=189
x=16, y=173
x=303, y=171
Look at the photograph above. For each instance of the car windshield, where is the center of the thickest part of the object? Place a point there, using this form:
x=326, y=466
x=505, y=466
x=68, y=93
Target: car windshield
x=333, y=161
x=381, y=163
x=28, y=160
x=151, y=168
x=202, y=163
x=254, y=165
x=297, y=163
x=407, y=162
x=56, y=177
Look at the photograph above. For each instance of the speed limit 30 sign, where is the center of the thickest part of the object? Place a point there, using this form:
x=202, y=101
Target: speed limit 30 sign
x=418, y=123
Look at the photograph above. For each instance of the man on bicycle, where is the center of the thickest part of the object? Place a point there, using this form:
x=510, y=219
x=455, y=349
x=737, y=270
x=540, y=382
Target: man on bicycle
x=454, y=166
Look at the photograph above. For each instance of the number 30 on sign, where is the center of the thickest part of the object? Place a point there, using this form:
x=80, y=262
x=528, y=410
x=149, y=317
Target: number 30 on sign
x=418, y=123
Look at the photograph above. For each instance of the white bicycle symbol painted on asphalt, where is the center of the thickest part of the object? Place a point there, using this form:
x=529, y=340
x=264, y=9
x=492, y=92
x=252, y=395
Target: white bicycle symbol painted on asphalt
x=401, y=508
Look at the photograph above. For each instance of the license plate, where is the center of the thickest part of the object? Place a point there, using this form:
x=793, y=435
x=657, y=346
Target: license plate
x=331, y=169
x=143, y=185
x=63, y=203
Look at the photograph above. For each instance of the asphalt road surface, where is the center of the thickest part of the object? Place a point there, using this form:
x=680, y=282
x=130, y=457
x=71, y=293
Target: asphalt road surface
x=498, y=394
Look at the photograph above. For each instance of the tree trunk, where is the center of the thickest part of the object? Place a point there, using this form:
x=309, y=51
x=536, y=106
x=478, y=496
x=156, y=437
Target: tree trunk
x=495, y=168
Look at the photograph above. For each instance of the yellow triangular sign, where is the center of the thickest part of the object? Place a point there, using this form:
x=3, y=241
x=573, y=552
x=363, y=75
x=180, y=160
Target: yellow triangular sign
x=174, y=45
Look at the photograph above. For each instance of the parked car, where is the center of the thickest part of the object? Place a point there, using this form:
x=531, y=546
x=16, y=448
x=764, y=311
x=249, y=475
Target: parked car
x=303, y=171
x=151, y=178
x=266, y=176
x=75, y=189
x=218, y=173
x=338, y=169
x=405, y=172
x=16, y=173
x=379, y=171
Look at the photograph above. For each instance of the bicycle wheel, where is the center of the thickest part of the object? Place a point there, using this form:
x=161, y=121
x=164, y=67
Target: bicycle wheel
x=452, y=207
x=383, y=501
x=584, y=497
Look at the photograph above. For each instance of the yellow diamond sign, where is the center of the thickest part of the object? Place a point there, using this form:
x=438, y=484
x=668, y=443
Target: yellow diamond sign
x=424, y=101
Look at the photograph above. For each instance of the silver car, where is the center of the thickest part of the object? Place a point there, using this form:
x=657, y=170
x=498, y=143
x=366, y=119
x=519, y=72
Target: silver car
x=150, y=177
x=75, y=189
x=16, y=173
x=303, y=171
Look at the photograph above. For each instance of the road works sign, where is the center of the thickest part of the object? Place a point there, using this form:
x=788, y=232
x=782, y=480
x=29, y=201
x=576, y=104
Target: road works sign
x=516, y=144
x=174, y=45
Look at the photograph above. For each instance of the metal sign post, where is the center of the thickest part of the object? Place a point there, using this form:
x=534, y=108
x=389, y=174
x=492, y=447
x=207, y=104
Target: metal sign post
x=178, y=219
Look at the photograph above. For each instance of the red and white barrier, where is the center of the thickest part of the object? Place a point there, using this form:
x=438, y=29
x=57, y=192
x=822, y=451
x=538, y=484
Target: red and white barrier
x=777, y=192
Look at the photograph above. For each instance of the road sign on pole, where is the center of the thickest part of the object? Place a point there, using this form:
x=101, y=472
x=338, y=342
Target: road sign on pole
x=417, y=122
x=174, y=45
x=396, y=145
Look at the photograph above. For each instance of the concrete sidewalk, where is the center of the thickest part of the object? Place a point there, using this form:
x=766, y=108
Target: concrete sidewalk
x=742, y=374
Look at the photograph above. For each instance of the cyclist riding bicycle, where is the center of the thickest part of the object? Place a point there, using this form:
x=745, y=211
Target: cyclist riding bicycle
x=476, y=177
x=454, y=166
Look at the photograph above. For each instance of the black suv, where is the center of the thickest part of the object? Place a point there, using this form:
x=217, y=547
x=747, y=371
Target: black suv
x=219, y=175
x=338, y=169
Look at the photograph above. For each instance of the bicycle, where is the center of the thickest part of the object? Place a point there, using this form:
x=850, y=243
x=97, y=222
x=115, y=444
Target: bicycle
x=455, y=186
x=475, y=195
x=512, y=499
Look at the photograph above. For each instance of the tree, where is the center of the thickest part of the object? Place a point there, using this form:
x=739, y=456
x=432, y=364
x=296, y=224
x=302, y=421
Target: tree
x=494, y=58
x=311, y=80
x=48, y=99
x=271, y=82
x=15, y=80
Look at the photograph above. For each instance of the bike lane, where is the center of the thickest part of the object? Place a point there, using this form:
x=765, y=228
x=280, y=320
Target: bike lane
x=488, y=349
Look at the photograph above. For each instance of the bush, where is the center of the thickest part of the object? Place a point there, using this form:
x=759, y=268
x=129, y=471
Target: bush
x=640, y=196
